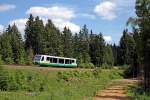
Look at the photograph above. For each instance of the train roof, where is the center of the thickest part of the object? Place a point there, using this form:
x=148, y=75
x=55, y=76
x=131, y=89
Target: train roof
x=55, y=56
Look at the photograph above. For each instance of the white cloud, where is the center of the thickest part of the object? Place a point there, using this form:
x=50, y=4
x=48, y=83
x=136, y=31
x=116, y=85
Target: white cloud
x=61, y=24
x=73, y=27
x=110, y=9
x=107, y=38
x=106, y=9
x=52, y=12
x=6, y=7
x=1, y=28
x=20, y=23
x=60, y=16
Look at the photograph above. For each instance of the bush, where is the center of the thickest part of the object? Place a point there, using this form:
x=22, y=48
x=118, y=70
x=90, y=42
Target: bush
x=86, y=65
x=22, y=80
x=74, y=75
x=115, y=75
x=130, y=71
x=1, y=61
x=106, y=66
x=12, y=84
x=97, y=73
x=77, y=75
x=3, y=79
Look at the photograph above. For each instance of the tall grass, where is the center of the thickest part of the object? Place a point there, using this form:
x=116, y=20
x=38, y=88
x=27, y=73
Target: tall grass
x=56, y=85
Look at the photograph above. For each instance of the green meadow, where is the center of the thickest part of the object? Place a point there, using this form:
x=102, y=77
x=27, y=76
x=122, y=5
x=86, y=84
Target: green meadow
x=31, y=84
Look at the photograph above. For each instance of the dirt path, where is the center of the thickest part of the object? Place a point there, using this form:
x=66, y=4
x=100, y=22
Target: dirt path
x=116, y=91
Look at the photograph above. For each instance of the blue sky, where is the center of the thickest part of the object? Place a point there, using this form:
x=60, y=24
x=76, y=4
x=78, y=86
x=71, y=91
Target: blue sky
x=106, y=16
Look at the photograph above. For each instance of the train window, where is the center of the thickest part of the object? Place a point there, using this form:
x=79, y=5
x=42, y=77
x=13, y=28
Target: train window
x=37, y=58
x=48, y=58
x=67, y=61
x=51, y=60
x=72, y=61
x=54, y=60
x=42, y=59
x=61, y=61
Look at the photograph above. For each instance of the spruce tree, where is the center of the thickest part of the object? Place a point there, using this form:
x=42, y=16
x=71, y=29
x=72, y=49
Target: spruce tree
x=67, y=42
x=17, y=46
x=108, y=56
x=7, y=54
x=143, y=17
x=75, y=45
x=137, y=58
x=84, y=45
x=29, y=36
x=97, y=48
x=53, y=40
x=92, y=47
x=126, y=49
x=115, y=54
x=6, y=51
x=123, y=48
x=100, y=50
x=38, y=30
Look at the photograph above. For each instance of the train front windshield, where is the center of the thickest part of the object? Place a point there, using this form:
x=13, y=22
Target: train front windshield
x=37, y=58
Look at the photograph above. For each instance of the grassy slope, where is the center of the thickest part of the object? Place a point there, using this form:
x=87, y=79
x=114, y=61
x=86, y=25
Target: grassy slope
x=77, y=88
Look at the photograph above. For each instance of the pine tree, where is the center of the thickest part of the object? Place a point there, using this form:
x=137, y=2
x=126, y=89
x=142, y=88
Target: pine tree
x=75, y=45
x=97, y=48
x=137, y=58
x=17, y=46
x=115, y=54
x=92, y=47
x=123, y=48
x=126, y=49
x=12, y=48
x=67, y=43
x=143, y=18
x=38, y=30
x=6, y=52
x=108, y=56
x=53, y=40
x=84, y=45
x=48, y=49
x=100, y=50
x=34, y=35
x=29, y=37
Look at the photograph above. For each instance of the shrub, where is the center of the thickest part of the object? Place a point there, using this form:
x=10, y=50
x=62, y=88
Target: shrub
x=77, y=75
x=86, y=65
x=35, y=82
x=97, y=72
x=106, y=66
x=69, y=75
x=3, y=79
x=22, y=80
x=12, y=84
x=1, y=61
x=130, y=71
